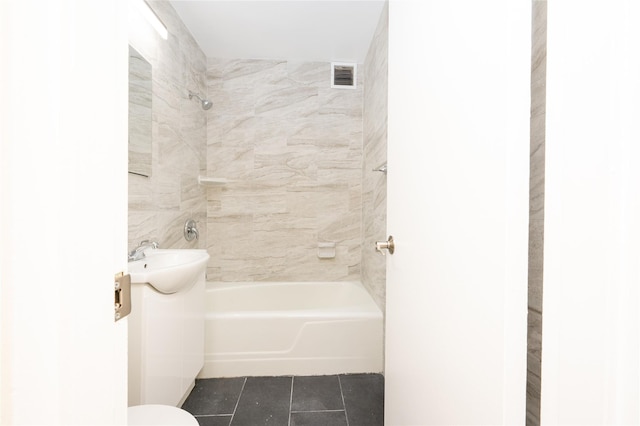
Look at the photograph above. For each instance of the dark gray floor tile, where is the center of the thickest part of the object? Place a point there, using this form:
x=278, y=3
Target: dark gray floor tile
x=316, y=393
x=363, y=399
x=264, y=401
x=319, y=418
x=214, y=396
x=213, y=420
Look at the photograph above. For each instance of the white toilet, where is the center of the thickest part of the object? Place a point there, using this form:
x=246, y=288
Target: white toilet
x=160, y=415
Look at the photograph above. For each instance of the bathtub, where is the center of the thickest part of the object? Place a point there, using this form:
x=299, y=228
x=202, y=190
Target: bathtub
x=291, y=328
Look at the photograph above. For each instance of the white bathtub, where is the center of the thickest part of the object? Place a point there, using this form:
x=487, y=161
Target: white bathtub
x=284, y=328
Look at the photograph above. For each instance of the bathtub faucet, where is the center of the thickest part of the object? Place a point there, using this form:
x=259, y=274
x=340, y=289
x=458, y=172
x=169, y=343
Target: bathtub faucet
x=138, y=252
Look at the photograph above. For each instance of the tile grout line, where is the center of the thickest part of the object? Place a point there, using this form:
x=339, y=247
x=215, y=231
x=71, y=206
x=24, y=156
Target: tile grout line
x=346, y=415
x=211, y=415
x=238, y=401
x=290, y=401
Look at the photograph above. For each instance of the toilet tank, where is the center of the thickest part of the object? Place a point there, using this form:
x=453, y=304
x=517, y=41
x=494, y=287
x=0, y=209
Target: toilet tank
x=166, y=343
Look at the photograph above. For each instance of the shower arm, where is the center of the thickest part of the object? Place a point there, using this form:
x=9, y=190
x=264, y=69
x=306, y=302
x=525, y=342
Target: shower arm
x=206, y=104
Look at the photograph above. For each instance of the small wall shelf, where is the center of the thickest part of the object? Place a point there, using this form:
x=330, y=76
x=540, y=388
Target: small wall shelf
x=212, y=181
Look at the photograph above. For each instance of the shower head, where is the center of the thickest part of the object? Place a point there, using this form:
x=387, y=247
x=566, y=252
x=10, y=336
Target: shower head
x=206, y=104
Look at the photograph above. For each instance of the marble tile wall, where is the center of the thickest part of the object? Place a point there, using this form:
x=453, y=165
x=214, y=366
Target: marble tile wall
x=160, y=205
x=536, y=209
x=291, y=148
x=374, y=195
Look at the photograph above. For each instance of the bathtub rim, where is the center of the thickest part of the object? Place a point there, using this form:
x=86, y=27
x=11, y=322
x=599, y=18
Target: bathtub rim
x=367, y=309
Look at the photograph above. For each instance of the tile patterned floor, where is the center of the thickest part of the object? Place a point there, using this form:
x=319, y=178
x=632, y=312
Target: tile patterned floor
x=341, y=400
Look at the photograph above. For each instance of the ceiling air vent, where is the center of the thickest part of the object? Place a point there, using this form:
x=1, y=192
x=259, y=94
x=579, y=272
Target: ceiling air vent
x=343, y=75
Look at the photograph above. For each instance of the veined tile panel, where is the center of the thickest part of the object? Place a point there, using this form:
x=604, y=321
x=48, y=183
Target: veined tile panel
x=374, y=195
x=160, y=205
x=292, y=149
x=536, y=209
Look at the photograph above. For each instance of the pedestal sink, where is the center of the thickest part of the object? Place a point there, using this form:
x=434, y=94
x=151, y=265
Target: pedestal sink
x=166, y=325
x=168, y=271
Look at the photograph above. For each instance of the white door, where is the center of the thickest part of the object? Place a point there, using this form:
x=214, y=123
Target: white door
x=458, y=156
x=63, y=211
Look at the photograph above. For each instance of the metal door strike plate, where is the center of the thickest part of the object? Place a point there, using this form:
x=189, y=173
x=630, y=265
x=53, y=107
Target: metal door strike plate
x=122, y=302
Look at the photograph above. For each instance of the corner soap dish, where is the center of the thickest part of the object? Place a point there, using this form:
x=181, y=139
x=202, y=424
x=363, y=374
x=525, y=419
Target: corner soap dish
x=212, y=181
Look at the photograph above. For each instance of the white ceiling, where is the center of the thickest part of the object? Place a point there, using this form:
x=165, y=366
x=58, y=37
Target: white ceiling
x=301, y=30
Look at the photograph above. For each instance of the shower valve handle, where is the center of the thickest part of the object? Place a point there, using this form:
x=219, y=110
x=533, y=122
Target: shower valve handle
x=190, y=230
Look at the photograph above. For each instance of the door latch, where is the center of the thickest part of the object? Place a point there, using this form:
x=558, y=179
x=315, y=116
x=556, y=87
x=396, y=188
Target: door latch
x=122, y=301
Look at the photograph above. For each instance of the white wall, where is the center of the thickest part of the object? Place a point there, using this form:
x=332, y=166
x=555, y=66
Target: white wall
x=592, y=214
x=63, y=197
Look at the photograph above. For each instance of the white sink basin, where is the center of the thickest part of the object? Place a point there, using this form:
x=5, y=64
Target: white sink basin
x=169, y=271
